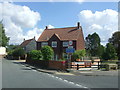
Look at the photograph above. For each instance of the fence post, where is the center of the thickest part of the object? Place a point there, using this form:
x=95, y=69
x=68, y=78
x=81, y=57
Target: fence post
x=98, y=65
x=77, y=67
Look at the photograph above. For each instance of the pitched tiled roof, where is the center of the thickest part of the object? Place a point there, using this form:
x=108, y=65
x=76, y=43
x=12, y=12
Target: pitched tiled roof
x=70, y=33
x=24, y=43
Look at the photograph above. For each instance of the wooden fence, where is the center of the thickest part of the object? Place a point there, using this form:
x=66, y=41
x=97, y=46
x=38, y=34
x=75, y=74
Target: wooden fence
x=96, y=64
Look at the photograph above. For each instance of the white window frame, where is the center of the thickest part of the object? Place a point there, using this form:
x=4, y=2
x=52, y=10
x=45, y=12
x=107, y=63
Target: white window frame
x=53, y=43
x=44, y=44
x=64, y=44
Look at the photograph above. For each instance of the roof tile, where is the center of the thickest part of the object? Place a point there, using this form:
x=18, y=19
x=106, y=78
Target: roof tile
x=69, y=33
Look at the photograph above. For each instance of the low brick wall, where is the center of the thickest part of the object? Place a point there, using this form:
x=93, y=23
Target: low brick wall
x=39, y=63
x=61, y=65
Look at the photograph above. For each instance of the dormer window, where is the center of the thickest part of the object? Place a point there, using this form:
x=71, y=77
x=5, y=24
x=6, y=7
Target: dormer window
x=44, y=44
x=54, y=44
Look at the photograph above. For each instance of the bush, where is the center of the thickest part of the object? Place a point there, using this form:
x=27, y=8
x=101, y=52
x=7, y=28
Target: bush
x=47, y=52
x=35, y=55
x=10, y=53
x=18, y=52
x=79, y=54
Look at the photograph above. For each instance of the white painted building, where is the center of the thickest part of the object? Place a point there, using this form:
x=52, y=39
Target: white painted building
x=29, y=45
x=2, y=51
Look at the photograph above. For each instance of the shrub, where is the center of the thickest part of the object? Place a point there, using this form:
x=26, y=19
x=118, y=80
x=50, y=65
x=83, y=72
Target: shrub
x=35, y=55
x=10, y=53
x=47, y=52
x=18, y=52
x=79, y=54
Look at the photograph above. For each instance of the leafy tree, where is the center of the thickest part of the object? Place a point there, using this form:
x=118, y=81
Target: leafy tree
x=18, y=52
x=93, y=44
x=11, y=47
x=47, y=52
x=3, y=38
x=79, y=54
x=35, y=55
x=115, y=41
x=110, y=52
x=101, y=50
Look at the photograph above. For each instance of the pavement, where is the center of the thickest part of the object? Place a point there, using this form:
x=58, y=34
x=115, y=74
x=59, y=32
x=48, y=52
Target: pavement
x=96, y=73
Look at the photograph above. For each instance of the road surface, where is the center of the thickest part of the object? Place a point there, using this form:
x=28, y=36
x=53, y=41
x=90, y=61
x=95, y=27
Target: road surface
x=15, y=75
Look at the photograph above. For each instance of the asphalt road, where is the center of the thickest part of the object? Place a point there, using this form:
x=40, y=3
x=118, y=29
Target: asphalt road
x=15, y=75
x=93, y=81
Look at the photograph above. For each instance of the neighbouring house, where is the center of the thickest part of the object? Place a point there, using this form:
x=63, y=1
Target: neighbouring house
x=2, y=51
x=59, y=38
x=29, y=45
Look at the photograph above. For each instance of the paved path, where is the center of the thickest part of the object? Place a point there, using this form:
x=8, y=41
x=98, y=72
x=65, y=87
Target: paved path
x=96, y=73
x=16, y=75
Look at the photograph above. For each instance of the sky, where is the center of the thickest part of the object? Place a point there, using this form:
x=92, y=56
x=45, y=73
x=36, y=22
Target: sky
x=28, y=19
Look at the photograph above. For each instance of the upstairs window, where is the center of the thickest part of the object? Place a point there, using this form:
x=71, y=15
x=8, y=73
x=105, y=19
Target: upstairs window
x=54, y=44
x=44, y=44
x=65, y=44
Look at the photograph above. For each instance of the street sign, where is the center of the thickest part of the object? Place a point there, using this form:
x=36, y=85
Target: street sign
x=70, y=50
x=70, y=43
x=70, y=46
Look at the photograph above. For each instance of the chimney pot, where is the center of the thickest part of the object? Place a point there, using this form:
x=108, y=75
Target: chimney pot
x=78, y=25
x=34, y=37
x=46, y=27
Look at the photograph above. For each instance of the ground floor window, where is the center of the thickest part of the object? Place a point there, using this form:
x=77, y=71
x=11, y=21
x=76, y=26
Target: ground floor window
x=65, y=56
x=44, y=44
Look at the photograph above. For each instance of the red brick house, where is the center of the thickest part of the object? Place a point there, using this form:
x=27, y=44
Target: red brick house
x=58, y=39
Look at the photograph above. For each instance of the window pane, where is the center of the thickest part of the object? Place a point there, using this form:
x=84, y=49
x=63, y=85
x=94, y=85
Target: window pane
x=54, y=44
x=44, y=44
x=65, y=44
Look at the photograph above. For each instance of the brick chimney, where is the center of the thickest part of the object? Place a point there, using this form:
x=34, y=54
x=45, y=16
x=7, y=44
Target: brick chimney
x=78, y=25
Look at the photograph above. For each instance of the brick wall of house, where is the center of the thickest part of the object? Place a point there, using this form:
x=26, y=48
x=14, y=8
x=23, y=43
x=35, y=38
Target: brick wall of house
x=57, y=50
x=80, y=42
x=38, y=45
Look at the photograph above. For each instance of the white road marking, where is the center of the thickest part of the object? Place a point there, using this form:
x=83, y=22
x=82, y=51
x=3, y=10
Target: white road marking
x=81, y=86
x=65, y=80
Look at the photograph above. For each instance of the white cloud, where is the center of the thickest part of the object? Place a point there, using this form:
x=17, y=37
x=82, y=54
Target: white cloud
x=50, y=27
x=35, y=32
x=15, y=18
x=21, y=15
x=105, y=23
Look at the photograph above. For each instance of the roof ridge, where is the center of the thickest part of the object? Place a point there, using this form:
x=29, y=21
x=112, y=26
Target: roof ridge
x=60, y=28
x=56, y=35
